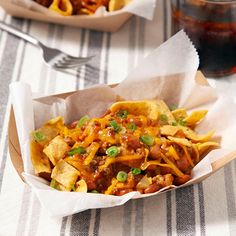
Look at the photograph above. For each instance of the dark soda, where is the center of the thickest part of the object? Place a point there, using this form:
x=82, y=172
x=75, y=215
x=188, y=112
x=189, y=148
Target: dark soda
x=211, y=25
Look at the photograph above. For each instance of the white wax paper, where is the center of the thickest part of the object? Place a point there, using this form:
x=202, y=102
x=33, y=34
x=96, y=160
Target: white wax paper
x=143, y=8
x=167, y=73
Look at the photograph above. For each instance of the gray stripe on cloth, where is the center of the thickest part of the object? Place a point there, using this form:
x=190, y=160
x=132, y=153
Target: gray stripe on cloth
x=3, y=19
x=63, y=226
x=23, y=52
x=97, y=222
x=34, y=219
x=201, y=209
x=165, y=20
x=24, y=211
x=80, y=223
x=57, y=35
x=132, y=41
x=6, y=71
x=168, y=214
x=92, y=69
x=126, y=227
x=185, y=211
x=107, y=57
x=82, y=43
x=139, y=204
x=230, y=195
x=44, y=69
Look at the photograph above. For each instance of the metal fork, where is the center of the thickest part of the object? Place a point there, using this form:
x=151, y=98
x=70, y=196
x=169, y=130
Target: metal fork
x=53, y=57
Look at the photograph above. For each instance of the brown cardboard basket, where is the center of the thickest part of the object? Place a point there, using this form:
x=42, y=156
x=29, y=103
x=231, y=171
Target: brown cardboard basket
x=109, y=23
x=15, y=152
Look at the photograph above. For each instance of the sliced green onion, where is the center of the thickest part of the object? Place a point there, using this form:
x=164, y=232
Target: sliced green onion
x=173, y=107
x=163, y=117
x=122, y=114
x=122, y=176
x=54, y=184
x=115, y=126
x=39, y=136
x=112, y=151
x=181, y=122
x=135, y=171
x=174, y=124
x=94, y=191
x=147, y=139
x=132, y=126
x=79, y=150
x=82, y=121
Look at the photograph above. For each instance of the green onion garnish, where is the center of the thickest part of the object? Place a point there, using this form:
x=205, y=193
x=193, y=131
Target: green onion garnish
x=94, y=191
x=132, y=126
x=122, y=114
x=147, y=139
x=122, y=176
x=39, y=136
x=173, y=107
x=115, y=126
x=82, y=121
x=181, y=122
x=112, y=151
x=79, y=150
x=174, y=124
x=163, y=117
x=54, y=184
x=135, y=171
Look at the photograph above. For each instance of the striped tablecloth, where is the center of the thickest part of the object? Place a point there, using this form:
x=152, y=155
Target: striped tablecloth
x=207, y=208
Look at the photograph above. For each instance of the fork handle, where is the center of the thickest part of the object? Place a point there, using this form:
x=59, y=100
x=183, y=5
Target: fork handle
x=18, y=33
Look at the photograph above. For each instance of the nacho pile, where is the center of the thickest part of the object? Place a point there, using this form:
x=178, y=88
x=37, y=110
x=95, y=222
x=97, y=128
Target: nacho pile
x=82, y=7
x=135, y=146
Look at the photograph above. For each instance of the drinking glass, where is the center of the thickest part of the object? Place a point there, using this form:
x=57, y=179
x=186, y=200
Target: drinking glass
x=211, y=25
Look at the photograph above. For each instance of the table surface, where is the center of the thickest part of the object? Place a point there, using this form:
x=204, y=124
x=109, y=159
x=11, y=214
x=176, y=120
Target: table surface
x=207, y=208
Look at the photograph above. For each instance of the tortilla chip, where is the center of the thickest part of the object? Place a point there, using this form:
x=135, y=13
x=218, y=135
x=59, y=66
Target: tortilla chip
x=146, y=108
x=195, y=117
x=115, y=5
x=58, y=186
x=190, y=134
x=180, y=113
x=81, y=186
x=164, y=109
x=56, y=149
x=39, y=160
x=203, y=147
x=65, y=174
x=169, y=130
x=182, y=141
x=49, y=131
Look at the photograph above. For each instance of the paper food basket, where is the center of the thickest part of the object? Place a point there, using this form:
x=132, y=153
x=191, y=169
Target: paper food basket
x=168, y=73
x=108, y=22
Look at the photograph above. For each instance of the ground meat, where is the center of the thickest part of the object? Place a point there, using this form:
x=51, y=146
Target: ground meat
x=45, y=3
x=131, y=141
x=155, y=152
x=91, y=5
